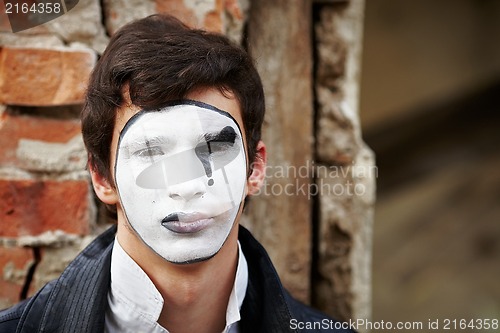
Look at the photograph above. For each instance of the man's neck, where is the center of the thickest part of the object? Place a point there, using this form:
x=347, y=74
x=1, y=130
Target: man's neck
x=195, y=295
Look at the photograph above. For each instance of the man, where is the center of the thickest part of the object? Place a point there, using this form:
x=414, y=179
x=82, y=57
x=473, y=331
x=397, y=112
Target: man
x=172, y=125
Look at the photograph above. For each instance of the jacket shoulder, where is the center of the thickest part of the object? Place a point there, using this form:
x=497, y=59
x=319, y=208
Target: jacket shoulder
x=10, y=317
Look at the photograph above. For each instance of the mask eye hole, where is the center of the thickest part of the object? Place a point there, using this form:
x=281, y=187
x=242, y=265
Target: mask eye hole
x=149, y=152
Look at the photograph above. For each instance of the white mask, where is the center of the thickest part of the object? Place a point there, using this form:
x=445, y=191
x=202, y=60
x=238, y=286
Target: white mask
x=180, y=173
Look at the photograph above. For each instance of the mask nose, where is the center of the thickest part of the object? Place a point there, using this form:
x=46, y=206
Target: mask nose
x=187, y=191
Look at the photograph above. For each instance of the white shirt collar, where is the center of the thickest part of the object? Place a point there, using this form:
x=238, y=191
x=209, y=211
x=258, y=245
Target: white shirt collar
x=135, y=304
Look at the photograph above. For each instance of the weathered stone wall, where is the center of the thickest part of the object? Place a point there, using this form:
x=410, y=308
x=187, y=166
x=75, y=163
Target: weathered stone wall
x=318, y=239
x=346, y=172
x=280, y=41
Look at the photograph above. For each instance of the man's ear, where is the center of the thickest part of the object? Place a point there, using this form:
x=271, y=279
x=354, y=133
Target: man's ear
x=105, y=192
x=258, y=168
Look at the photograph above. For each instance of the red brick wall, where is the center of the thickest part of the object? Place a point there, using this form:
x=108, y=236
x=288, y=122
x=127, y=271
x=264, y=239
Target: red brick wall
x=43, y=186
x=47, y=207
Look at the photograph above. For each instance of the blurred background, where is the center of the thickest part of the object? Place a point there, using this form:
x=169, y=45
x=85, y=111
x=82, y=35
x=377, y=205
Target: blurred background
x=430, y=109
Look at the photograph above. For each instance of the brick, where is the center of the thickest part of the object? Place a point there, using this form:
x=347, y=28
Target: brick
x=32, y=207
x=216, y=15
x=119, y=12
x=195, y=16
x=82, y=24
x=14, y=265
x=15, y=128
x=225, y=16
x=44, y=77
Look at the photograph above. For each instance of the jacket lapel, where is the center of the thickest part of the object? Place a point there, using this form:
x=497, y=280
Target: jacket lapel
x=264, y=308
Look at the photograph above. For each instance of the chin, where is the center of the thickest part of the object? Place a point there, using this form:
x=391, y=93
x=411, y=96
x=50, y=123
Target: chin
x=198, y=252
x=188, y=261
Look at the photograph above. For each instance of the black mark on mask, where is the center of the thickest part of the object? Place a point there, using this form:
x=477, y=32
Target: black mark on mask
x=215, y=142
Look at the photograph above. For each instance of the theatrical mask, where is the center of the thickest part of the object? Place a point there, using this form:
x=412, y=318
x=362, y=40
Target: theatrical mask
x=181, y=172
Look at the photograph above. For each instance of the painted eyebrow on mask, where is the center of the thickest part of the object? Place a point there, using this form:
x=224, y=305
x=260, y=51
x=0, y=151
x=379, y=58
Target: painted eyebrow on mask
x=146, y=142
x=227, y=134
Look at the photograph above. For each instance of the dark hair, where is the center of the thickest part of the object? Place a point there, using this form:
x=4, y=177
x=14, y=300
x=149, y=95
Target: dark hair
x=159, y=59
